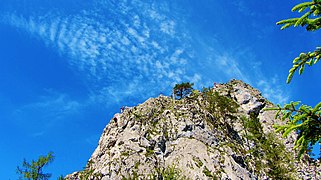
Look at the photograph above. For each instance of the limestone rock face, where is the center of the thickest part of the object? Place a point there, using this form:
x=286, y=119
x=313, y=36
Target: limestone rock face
x=163, y=137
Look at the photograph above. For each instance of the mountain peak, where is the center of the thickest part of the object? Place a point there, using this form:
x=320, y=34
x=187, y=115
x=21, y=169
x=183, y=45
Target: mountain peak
x=219, y=133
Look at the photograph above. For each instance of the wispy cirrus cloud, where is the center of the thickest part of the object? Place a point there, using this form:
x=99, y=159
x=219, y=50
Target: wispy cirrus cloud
x=273, y=91
x=136, y=43
x=134, y=48
x=251, y=71
x=223, y=64
x=47, y=111
x=231, y=67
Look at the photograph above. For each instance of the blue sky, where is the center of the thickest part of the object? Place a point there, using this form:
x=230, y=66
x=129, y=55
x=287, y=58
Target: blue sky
x=67, y=66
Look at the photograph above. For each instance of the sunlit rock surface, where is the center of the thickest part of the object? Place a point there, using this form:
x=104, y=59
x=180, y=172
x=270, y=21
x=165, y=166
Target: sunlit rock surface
x=182, y=138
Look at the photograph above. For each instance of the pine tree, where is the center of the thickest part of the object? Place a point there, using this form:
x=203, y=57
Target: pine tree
x=300, y=118
x=183, y=89
x=33, y=170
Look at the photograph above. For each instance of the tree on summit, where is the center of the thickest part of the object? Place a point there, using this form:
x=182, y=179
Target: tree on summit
x=301, y=118
x=182, y=90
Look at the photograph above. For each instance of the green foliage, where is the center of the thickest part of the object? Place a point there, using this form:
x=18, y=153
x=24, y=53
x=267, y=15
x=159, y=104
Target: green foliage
x=195, y=92
x=88, y=173
x=124, y=153
x=168, y=173
x=171, y=173
x=279, y=161
x=207, y=172
x=182, y=90
x=198, y=162
x=299, y=63
x=254, y=127
x=218, y=105
x=149, y=152
x=136, y=165
x=34, y=170
x=270, y=154
x=301, y=118
x=61, y=178
x=311, y=19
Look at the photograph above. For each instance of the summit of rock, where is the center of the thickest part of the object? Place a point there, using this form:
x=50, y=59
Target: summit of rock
x=197, y=137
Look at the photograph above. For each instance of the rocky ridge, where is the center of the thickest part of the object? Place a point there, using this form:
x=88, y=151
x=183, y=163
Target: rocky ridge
x=164, y=138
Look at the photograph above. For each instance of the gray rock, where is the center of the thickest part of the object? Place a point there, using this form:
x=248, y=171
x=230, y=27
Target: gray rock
x=161, y=134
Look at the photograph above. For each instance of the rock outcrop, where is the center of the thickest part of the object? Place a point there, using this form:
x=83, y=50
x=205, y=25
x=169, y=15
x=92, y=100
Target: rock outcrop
x=195, y=138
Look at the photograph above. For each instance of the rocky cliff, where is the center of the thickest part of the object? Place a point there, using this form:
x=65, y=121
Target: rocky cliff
x=219, y=133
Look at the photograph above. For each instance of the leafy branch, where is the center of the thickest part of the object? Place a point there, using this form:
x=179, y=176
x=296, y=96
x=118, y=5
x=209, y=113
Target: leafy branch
x=312, y=21
x=299, y=62
x=304, y=120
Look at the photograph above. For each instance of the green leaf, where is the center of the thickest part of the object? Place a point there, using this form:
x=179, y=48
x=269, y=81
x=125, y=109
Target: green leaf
x=301, y=69
x=286, y=115
x=285, y=21
x=296, y=60
x=302, y=6
x=292, y=70
x=295, y=103
x=303, y=18
x=279, y=128
x=277, y=114
x=290, y=129
x=298, y=142
x=290, y=76
x=316, y=108
x=310, y=63
x=305, y=108
x=302, y=55
x=286, y=26
x=298, y=118
x=317, y=58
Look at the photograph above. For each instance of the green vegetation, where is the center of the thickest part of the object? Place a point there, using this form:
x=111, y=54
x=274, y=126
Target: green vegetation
x=222, y=108
x=88, y=172
x=169, y=173
x=270, y=154
x=149, y=152
x=61, y=178
x=198, y=162
x=218, y=105
x=182, y=90
x=34, y=170
x=136, y=165
x=304, y=120
x=124, y=153
x=207, y=172
x=301, y=118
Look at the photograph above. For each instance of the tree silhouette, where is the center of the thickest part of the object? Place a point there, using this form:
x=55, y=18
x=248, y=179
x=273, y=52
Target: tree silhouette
x=182, y=90
x=33, y=170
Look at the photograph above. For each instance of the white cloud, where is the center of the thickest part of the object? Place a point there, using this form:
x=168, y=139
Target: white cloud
x=273, y=91
x=45, y=112
x=52, y=106
x=168, y=27
x=251, y=72
x=229, y=65
x=241, y=63
x=135, y=49
x=115, y=49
